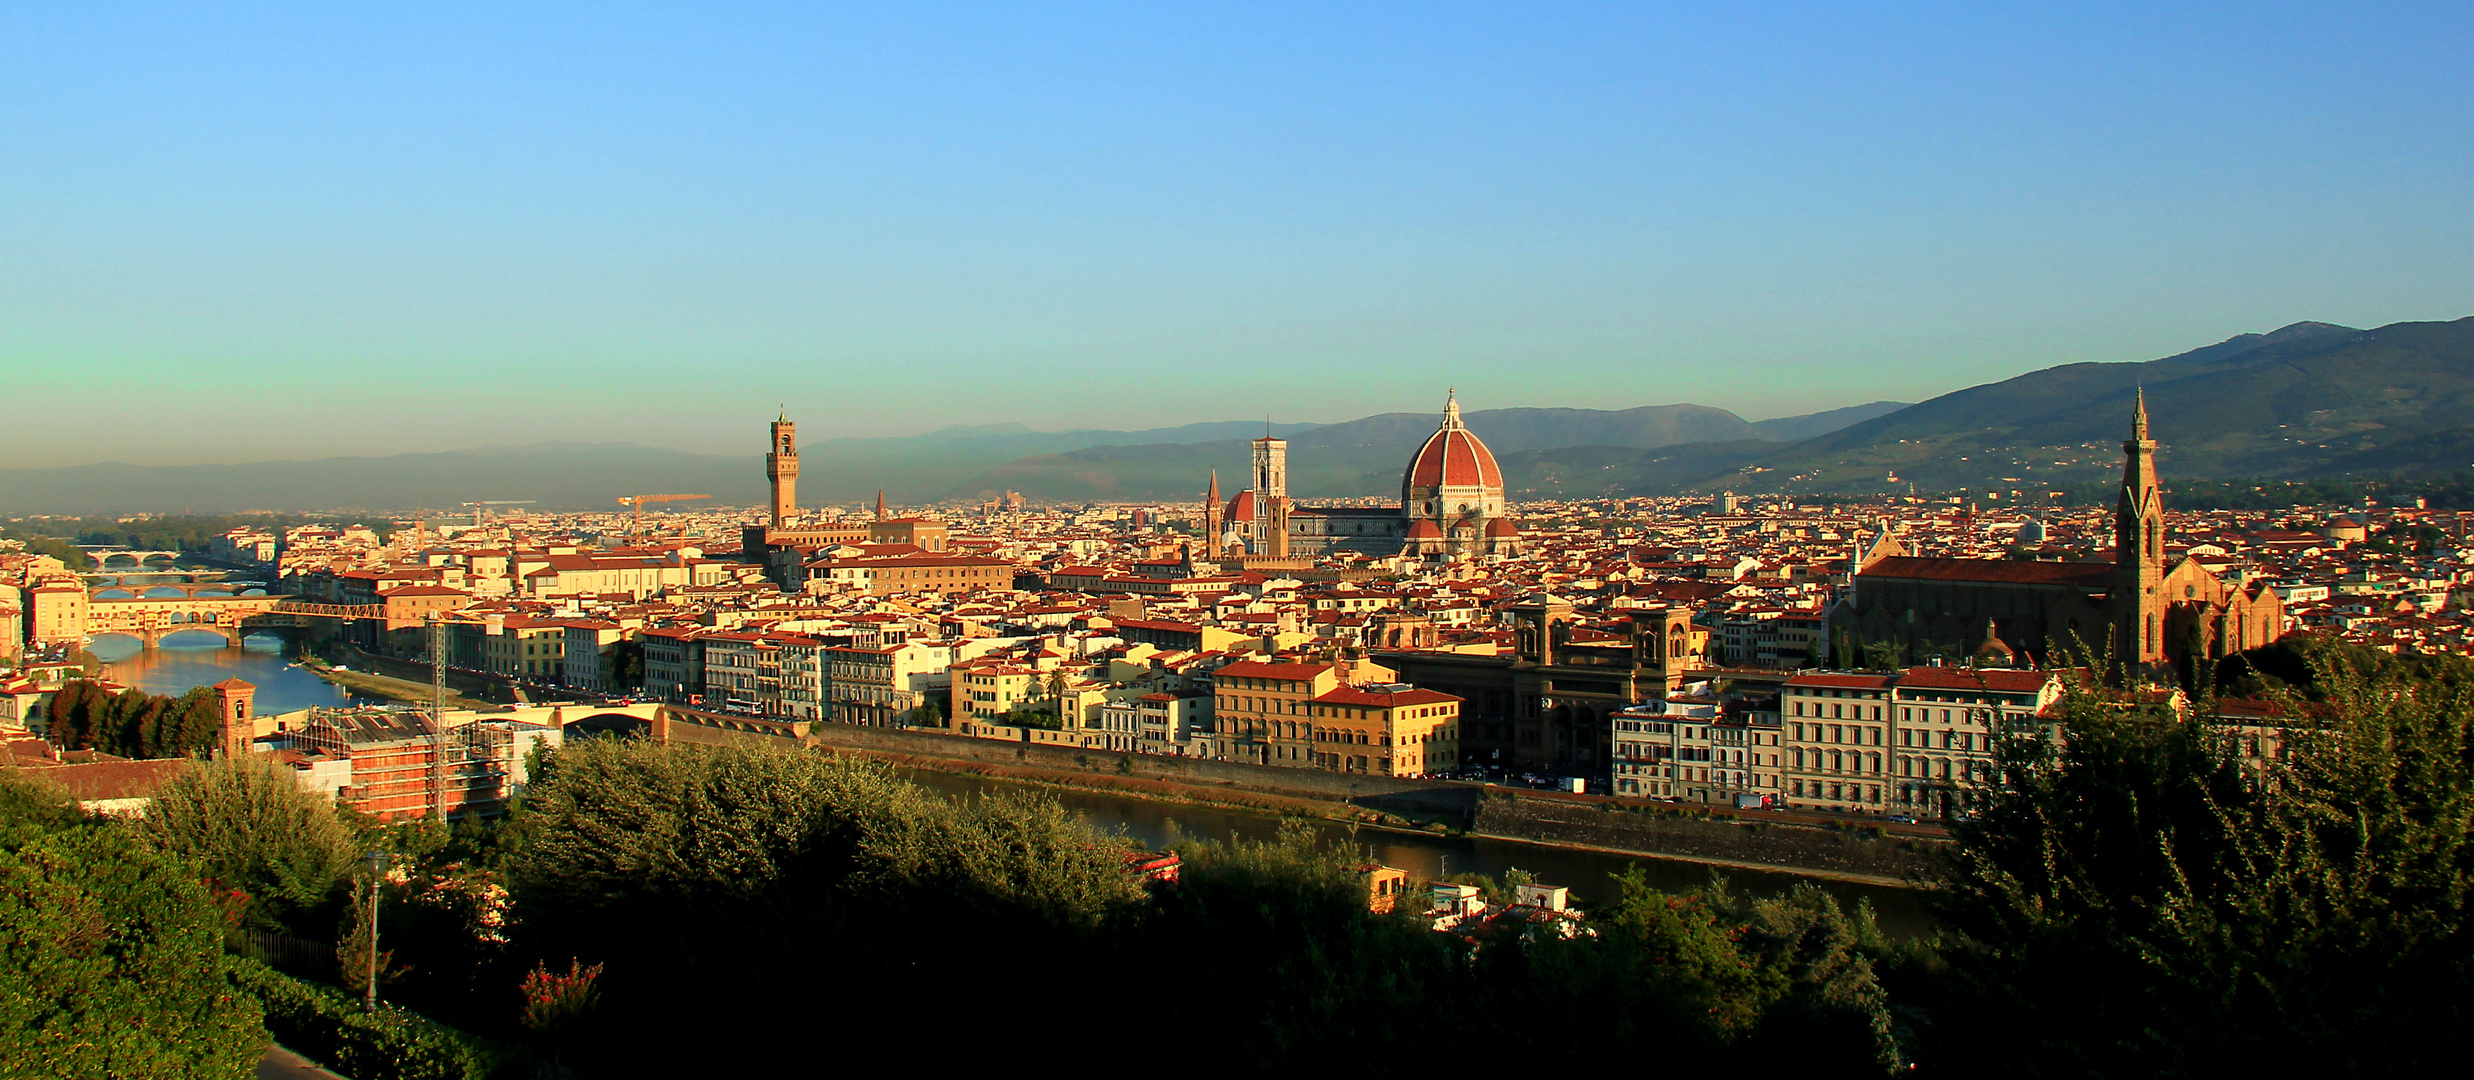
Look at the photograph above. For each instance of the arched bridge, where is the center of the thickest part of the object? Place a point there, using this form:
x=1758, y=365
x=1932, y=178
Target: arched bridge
x=233, y=617
x=103, y=554
x=663, y=723
x=184, y=588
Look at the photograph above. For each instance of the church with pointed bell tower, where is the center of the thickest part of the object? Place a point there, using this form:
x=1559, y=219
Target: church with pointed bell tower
x=2141, y=610
x=2139, y=551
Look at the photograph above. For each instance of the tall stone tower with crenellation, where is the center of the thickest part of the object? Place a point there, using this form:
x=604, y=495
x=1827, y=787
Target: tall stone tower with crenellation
x=782, y=470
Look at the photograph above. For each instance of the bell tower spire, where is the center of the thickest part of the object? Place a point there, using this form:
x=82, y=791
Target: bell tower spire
x=2139, y=550
x=1212, y=510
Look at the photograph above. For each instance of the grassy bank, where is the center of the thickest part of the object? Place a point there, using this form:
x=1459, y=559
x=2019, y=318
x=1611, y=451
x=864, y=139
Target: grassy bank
x=389, y=687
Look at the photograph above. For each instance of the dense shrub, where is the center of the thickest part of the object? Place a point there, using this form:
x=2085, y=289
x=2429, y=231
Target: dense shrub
x=390, y=1044
x=111, y=954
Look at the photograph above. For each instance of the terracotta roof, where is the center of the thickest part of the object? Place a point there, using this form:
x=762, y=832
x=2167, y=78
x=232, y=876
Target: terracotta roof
x=1996, y=680
x=1382, y=699
x=1453, y=457
x=102, y=780
x=1855, y=682
x=1992, y=571
x=1247, y=669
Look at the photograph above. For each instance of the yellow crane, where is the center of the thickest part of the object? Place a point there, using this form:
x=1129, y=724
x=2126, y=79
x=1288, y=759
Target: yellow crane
x=635, y=532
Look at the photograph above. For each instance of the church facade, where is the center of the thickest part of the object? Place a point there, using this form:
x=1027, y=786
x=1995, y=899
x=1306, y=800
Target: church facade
x=1451, y=505
x=2137, y=610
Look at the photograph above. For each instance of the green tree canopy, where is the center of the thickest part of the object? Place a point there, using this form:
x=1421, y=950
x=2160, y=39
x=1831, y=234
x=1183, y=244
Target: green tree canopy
x=2142, y=900
x=111, y=954
x=250, y=826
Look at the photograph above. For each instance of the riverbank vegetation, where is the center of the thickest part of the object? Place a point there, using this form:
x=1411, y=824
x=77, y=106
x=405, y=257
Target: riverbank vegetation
x=131, y=723
x=2145, y=899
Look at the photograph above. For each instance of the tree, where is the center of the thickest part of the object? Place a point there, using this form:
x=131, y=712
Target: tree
x=776, y=868
x=2141, y=899
x=132, y=724
x=111, y=954
x=250, y=826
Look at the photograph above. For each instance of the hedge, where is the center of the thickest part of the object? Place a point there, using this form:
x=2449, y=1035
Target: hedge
x=390, y=1044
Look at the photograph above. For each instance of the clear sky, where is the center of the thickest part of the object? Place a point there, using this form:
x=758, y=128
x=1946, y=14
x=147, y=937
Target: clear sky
x=237, y=232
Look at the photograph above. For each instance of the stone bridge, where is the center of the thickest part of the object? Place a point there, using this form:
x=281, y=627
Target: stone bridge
x=232, y=617
x=658, y=721
x=103, y=554
x=185, y=588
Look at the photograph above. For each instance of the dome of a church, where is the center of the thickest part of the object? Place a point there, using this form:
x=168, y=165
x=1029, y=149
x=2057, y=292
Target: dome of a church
x=1241, y=508
x=1453, y=457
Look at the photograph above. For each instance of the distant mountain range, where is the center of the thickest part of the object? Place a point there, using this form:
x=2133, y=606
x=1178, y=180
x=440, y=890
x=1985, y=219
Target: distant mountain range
x=2310, y=400
x=1358, y=457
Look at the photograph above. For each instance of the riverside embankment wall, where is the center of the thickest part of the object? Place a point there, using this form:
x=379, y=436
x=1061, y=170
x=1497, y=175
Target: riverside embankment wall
x=1753, y=838
x=1434, y=799
x=1719, y=837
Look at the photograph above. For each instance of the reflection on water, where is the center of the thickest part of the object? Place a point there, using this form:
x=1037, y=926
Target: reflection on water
x=1901, y=911
x=199, y=658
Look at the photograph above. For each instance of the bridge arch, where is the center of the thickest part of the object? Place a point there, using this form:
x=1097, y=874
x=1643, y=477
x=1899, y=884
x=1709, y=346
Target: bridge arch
x=194, y=635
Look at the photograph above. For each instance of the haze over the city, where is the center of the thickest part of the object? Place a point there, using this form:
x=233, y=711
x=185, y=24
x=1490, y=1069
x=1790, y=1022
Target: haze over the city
x=512, y=226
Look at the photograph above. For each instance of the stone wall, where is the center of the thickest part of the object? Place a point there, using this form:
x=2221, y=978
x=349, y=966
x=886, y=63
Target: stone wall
x=1659, y=829
x=1789, y=842
x=1434, y=799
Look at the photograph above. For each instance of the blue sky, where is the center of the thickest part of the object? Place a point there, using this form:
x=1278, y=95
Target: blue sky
x=309, y=231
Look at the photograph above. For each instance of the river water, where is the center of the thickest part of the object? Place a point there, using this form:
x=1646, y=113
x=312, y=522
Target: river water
x=203, y=659
x=1900, y=912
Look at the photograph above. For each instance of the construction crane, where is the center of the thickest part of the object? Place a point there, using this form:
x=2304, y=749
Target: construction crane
x=477, y=507
x=635, y=532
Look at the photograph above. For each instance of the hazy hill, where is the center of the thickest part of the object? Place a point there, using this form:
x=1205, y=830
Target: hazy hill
x=1365, y=457
x=2309, y=400
x=1358, y=457
x=555, y=475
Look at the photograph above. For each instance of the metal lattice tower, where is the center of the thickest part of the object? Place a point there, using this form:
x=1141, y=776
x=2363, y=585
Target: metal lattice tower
x=438, y=718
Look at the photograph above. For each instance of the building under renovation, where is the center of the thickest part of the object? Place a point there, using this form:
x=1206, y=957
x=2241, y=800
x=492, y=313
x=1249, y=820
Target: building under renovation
x=396, y=763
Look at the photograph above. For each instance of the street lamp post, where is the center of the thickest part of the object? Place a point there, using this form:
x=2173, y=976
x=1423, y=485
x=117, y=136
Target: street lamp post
x=377, y=866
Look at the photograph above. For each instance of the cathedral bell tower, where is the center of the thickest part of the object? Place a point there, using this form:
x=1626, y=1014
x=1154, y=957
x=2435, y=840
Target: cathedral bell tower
x=2138, y=600
x=782, y=470
x=1271, y=491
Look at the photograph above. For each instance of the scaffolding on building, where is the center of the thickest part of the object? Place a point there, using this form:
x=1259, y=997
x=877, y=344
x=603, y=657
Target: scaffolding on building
x=405, y=761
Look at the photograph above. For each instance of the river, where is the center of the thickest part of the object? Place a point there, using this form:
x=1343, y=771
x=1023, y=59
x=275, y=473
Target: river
x=1900, y=912
x=202, y=659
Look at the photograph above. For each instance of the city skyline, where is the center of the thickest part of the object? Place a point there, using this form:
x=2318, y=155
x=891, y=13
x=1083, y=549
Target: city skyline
x=553, y=224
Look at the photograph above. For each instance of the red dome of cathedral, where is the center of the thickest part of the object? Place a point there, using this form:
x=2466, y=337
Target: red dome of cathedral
x=1452, y=457
x=1241, y=508
x=1502, y=527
